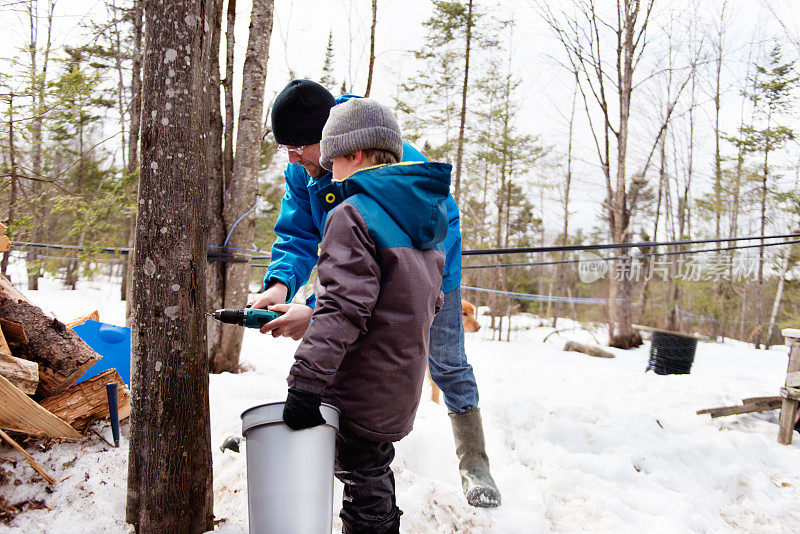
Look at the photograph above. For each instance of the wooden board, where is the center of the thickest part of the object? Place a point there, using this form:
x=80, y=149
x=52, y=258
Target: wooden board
x=83, y=403
x=22, y=373
x=790, y=397
x=769, y=403
x=20, y=413
x=791, y=333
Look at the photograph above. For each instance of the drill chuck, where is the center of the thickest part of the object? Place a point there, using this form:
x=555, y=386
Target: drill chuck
x=249, y=317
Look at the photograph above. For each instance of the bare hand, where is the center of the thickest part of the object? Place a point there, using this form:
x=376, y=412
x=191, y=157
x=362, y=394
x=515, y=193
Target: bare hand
x=293, y=323
x=275, y=294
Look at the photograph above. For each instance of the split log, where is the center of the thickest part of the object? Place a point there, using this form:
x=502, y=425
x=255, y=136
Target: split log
x=22, y=373
x=62, y=355
x=590, y=350
x=20, y=413
x=84, y=403
x=3, y=343
x=93, y=316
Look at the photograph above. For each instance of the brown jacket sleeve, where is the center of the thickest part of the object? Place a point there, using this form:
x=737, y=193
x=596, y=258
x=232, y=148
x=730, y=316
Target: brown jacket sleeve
x=350, y=276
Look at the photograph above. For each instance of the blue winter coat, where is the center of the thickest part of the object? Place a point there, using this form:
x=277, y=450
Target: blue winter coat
x=301, y=223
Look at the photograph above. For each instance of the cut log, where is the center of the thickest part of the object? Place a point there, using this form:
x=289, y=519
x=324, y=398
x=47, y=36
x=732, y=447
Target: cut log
x=84, y=403
x=22, y=373
x=20, y=413
x=61, y=354
x=94, y=316
x=590, y=350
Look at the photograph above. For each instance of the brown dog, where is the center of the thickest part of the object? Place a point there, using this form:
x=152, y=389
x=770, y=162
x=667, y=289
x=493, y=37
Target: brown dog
x=468, y=314
x=471, y=325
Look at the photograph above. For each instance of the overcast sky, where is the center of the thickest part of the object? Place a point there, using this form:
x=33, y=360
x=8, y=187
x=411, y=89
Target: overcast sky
x=300, y=36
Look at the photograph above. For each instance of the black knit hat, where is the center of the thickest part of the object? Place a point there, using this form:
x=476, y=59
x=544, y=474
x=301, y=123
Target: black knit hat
x=299, y=113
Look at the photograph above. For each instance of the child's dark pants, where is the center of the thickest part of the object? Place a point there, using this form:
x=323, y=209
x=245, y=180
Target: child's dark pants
x=363, y=466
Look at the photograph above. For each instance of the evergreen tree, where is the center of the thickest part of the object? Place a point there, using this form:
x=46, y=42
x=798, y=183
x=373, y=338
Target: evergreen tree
x=771, y=95
x=328, y=79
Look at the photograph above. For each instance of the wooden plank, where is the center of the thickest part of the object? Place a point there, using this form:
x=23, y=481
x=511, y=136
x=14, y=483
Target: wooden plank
x=790, y=397
x=790, y=393
x=791, y=333
x=62, y=355
x=39, y=469
x=793, y=379
x=94, y=316
x=22, y=373
x=744, y=408
x=86, y=402
x=20, y=413
x=762, y=399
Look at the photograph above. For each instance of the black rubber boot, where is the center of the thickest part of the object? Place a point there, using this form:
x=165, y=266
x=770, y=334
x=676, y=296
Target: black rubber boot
x=473, y=464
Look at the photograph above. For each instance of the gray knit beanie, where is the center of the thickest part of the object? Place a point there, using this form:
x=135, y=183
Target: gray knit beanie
x=358, y=124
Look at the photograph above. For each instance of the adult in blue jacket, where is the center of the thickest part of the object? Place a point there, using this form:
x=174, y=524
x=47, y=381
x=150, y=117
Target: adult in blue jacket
x=298, y=116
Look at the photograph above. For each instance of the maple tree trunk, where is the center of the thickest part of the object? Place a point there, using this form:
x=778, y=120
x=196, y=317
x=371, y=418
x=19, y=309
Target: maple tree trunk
x=169, y=465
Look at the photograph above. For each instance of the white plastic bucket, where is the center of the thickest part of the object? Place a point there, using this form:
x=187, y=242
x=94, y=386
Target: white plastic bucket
x=289, y=472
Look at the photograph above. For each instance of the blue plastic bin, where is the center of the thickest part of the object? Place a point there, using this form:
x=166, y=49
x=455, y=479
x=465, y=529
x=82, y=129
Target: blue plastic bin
x=113, y=343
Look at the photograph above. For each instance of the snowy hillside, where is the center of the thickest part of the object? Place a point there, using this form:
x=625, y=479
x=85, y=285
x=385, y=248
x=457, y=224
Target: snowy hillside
x=576, y=443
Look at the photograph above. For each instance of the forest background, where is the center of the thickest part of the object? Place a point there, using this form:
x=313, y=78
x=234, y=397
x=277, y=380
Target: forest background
x=591, y=122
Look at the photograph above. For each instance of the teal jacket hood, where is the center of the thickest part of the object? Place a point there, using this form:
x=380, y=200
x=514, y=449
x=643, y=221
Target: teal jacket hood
x=413, y=194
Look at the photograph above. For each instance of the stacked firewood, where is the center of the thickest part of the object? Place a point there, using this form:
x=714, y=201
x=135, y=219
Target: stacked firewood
x=41, y=358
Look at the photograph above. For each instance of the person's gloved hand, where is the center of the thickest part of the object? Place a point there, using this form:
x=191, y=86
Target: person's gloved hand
x=302, y=410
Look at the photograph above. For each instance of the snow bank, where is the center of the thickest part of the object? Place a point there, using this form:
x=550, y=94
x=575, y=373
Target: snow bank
x=576, y=443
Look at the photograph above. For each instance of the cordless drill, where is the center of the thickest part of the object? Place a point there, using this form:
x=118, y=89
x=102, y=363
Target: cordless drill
x=249, y=317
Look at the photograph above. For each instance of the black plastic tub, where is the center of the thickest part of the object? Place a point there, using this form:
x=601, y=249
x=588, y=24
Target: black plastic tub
x=671, y=354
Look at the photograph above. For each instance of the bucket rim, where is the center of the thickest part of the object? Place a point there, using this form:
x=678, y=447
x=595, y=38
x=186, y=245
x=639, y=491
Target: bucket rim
x=267, y=422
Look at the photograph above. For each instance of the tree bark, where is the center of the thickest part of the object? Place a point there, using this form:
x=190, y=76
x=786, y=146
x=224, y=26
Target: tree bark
x=38, y=85
x=242, y=191
x=133, y=144
x=12, y=198
x=218, y=173
x=372, y=47
x=169, y=468
x=463, y=119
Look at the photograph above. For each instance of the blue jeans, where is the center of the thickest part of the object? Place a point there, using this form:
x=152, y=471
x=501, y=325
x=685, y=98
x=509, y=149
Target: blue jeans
x=447, y=359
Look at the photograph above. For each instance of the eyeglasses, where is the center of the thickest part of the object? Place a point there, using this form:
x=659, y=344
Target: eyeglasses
x=296, y=149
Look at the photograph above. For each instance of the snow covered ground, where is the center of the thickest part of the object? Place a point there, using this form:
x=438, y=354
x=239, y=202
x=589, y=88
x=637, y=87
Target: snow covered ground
x=577, y=444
